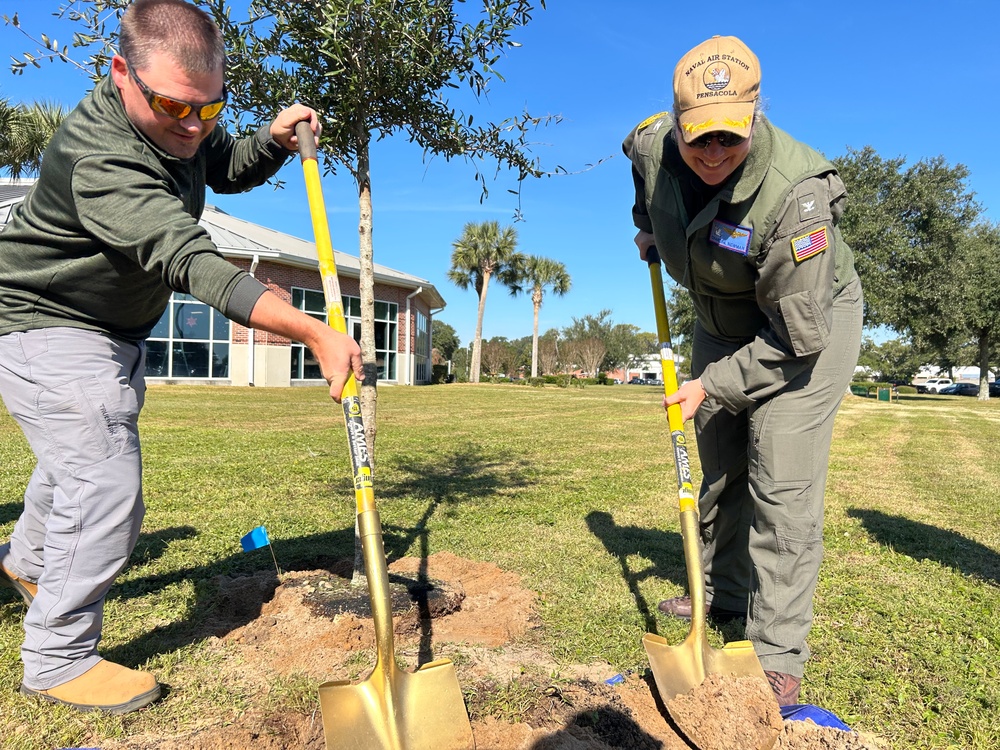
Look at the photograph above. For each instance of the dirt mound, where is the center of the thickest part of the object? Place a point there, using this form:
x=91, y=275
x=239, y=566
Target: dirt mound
x=314, y=623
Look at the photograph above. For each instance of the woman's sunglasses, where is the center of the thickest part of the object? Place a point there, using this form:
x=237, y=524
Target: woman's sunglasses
x=725, y=139
x=175, y=108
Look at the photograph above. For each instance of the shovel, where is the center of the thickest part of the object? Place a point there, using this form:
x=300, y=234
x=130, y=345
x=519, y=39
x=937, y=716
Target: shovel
x=679, y=669
x=390, y=709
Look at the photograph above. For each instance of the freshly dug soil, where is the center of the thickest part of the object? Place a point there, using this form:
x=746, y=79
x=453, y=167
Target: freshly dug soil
x=314, y=624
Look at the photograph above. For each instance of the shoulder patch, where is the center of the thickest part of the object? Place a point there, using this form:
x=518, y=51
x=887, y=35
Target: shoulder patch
x=650, y=120
x=810, y=244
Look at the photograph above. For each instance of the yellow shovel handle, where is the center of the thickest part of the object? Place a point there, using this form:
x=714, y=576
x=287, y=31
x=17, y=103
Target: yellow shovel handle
x=685, y=486
x=360, y=460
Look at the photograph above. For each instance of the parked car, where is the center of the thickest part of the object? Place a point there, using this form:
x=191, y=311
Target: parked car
x=960, y=389
x=933, y=385
x=637, y=381
x=995, y=389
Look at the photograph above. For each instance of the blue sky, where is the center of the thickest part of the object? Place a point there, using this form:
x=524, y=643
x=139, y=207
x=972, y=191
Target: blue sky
x=884, y=73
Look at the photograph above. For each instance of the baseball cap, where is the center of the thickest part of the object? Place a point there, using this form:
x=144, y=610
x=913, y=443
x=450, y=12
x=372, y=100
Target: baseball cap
x=716, y=86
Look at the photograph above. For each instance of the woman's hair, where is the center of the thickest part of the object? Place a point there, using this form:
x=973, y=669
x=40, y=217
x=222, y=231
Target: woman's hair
x=175, y=27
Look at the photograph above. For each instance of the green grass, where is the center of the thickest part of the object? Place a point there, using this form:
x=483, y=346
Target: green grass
x=573, y=490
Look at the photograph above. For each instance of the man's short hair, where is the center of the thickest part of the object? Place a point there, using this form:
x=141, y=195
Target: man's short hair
x=175, y=27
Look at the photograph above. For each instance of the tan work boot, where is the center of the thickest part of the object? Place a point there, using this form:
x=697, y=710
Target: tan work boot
x=106, y=686
x=25, y=588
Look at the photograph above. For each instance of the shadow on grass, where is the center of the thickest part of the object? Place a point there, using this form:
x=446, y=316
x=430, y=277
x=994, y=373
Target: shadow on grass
x=446, y=481
x=923, y=542
x=221, y=606
x=10, y=512
x=665, y=550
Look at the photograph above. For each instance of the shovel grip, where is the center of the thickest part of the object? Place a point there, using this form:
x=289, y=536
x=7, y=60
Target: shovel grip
x=307, y=141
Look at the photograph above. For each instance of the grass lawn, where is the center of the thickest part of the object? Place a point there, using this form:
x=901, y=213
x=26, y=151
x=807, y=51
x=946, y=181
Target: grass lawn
x=574, y=490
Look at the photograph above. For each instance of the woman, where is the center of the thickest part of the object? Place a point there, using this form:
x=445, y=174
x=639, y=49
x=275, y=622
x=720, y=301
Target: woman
x=745, y=218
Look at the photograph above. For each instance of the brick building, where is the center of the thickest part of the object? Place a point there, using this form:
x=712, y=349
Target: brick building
x=193, y=343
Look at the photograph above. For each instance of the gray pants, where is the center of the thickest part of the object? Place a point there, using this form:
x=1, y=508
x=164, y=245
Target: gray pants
x=761, y=500
x=76, y=395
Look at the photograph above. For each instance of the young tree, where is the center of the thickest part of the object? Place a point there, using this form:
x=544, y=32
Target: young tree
x=540, y=273
x=483, y=252
x=372, y=69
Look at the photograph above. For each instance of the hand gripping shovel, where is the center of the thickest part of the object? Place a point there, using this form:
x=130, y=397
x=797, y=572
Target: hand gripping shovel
x=679, y=669
x=390, y=709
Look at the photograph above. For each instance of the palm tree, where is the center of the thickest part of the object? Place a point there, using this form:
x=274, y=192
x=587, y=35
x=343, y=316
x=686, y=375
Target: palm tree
x=484, y=251
x=540, y=273
x=25, y=131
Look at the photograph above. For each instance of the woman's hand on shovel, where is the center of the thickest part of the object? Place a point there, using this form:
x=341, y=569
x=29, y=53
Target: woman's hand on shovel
x=689, y=396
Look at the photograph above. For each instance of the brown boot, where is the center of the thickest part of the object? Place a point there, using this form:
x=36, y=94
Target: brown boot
x=106, y=686
x=680, y=606
x=785, y=687
x=25, y=588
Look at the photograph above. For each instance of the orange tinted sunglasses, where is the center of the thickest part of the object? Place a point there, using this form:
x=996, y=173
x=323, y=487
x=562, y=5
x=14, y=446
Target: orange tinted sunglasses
x=176, y=108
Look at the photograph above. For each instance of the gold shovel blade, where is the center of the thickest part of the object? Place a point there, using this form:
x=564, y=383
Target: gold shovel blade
x=396, y=710
x=679, y=669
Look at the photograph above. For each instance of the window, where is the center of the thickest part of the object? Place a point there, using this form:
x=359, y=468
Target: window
x=311, y=302
x=191, y=340
x=422, y=351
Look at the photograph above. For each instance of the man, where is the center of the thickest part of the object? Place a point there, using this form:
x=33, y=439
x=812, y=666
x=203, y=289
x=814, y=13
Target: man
x=87, y=266
x=746, y=219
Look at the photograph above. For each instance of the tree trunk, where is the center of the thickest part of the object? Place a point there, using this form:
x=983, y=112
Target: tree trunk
x=537, y=301
x=477, y=342
x=984, y=365
x=369, y=390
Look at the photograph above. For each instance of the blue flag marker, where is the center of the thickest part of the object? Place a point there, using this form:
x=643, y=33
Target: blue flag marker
x=256, y=539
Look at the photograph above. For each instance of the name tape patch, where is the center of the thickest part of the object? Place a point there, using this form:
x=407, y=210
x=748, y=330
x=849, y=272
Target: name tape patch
x=807, y=245
x=731, y=237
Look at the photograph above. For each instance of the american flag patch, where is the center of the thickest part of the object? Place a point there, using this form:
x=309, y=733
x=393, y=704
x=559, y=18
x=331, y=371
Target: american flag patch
x=808, y=245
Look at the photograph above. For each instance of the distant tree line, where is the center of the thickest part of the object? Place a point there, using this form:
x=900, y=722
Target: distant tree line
x=928, y=259
x=591, y=345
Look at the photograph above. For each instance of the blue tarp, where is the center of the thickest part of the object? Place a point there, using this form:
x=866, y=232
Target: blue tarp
x=817, y=715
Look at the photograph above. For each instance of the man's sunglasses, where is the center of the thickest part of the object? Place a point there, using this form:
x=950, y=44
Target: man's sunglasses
x=725, y=139
x=175, y=108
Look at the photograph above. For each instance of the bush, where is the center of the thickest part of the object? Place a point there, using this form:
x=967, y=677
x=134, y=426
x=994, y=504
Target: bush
x=536, y=382
x=439, y=373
